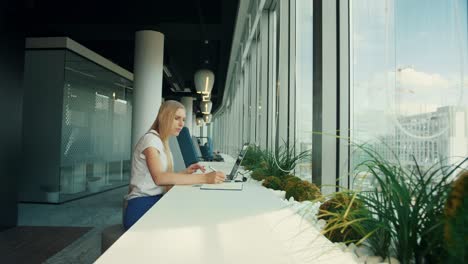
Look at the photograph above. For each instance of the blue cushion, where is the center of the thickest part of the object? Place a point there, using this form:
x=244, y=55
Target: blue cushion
x=207, y=149
x=210, y=146
x=186, y=147
x=206, y=153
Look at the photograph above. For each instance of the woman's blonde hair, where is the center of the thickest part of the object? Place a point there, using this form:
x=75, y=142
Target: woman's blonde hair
x=163, y=125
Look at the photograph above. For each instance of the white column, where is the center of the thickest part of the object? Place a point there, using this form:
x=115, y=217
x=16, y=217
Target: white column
x=204, y=130
x=188, y=104
x=148, y=77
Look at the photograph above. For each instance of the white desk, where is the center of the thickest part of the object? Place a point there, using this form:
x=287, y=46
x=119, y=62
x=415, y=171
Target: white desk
x=189, y=225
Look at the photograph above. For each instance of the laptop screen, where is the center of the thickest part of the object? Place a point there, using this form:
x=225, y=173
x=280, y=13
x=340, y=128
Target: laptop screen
x=238, y=162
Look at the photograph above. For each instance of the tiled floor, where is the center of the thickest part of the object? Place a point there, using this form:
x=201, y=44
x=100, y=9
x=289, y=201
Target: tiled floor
x=97, y=211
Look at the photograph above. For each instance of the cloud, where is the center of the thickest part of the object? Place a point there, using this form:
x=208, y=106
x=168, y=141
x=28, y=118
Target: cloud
x=410, y=79
x=409, y=91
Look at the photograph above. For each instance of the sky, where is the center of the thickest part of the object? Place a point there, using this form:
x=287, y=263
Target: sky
x=408, y=57
x=409, y=52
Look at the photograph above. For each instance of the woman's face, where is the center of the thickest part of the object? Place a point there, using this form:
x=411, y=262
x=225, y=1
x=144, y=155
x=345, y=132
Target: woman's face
x=178, y=122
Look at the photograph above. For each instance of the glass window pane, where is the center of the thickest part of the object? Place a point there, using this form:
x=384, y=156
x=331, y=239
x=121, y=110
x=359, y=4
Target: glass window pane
x=409, y=79
x=304, y=71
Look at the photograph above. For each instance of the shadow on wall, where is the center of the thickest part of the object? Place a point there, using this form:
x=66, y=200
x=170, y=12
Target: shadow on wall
x=11, y=97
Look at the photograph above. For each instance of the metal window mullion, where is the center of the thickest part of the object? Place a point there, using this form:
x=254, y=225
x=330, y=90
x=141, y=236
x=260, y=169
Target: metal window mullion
x=344, y=98
x=271, y=78
x=264, y=79
x=253, y=88
x=292, y=74
x=329, y=96
x=282, y=125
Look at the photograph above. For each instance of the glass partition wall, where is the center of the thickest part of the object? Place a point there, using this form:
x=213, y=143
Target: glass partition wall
x=84, y=146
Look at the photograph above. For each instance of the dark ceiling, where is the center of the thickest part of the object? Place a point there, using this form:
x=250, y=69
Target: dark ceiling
x=198, y=33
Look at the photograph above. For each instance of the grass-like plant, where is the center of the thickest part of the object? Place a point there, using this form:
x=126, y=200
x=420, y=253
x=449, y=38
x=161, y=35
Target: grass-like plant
x=281, y=162
x=408, y=205
x=345, y=215
x=253, y=157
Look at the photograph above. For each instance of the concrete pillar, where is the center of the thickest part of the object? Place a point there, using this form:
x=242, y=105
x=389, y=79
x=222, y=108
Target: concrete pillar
x=148, y=77
x=204, y=131
x=188, y=104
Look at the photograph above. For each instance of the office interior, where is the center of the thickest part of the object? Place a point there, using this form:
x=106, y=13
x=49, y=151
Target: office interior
x=80, y=82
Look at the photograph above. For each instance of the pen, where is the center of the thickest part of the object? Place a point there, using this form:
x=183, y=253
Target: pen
x=211, y=168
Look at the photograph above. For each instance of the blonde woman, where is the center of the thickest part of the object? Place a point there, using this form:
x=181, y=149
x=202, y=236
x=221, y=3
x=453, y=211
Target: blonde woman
x=152, y=165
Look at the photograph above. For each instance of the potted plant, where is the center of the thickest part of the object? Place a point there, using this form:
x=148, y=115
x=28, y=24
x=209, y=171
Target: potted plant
x=253, y=157
x=278, y=163
x=456, y=216
x=344, y=214
x=407, y=207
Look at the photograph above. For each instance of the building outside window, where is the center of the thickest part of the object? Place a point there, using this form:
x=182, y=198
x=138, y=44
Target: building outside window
x=409, y=80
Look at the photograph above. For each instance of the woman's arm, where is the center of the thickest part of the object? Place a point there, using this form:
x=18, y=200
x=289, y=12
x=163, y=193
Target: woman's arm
x=193, y=168
x=160, y=177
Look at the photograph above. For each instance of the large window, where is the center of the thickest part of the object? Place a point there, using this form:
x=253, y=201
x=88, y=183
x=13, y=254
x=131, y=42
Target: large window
x=304, y=69
x=409, y=79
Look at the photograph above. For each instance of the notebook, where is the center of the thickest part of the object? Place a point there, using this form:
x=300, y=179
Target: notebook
x=234, y=186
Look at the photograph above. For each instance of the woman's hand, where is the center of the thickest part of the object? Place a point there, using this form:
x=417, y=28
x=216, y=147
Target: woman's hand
x=194, y=167
x=215, y=177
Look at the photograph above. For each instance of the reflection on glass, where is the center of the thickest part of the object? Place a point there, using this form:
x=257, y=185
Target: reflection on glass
x=304, y=67
x=410, y=79
x=96, y=128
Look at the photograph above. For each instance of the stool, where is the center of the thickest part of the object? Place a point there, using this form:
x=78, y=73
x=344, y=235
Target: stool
x=109, y=235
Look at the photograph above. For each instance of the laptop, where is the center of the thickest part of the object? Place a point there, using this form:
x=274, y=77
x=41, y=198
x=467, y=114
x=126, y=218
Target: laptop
x=239, y=159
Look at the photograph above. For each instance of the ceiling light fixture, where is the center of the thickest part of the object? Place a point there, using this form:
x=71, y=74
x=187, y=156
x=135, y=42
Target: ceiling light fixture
x=199, y=121
x=207, y=118
x=204, y=80
x=206, y=97
x=206, y=107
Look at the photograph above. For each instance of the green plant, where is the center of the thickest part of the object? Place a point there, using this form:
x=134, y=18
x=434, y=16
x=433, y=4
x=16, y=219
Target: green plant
x=273, y=182
x=282, y=161
x=302, y=191
x=259, y=174
x=407, y=204
x=253, y=157
x=456, y=214
x=345, y=215
x=289, y=181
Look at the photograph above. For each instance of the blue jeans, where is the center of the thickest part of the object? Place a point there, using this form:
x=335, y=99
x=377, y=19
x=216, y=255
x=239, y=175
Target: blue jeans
x=137, y=207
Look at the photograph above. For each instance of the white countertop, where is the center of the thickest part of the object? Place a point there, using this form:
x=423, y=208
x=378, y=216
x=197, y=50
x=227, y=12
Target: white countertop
x=189, y=225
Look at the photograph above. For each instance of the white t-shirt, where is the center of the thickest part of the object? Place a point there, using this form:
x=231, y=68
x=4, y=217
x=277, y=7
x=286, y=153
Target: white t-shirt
x=141, y=182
